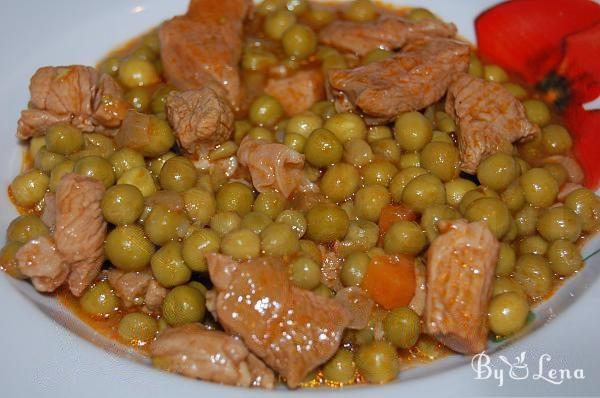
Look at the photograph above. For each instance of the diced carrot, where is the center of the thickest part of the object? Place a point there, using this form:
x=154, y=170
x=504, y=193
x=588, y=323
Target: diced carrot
x=391, y=281
x=394, y=213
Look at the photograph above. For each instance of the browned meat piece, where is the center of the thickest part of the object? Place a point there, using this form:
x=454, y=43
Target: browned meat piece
x=194, y=351
x=48, y=216
x=80, y=228
x=131, y=287
x=203, y=47
x=155, y=294
x=201, y=119
x=76, y=94
x=460, y=272
x=417, y=304
x=389, y=32
x=359, y=305
x=330, y=268
x=39, y=260
x=408, y=81
x=489, y=117
x=293, y=330
x=272, y=166
x=297, y=92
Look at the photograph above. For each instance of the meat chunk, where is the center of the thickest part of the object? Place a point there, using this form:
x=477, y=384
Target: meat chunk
x=489, y=117
x=331, y=266
x=203, y=47
x=272, y=166
x=129, y=286
x=297, y=92
x=80, y=228
x=389, y=32
x=570, y=165
x=75, y=94
x=201, y=119
x=359, y=305
x=407, y=81
x=155, y=295
x=293, y=330
x=194, y=351
x=48, y=216
x=39, y=260
x=460, y=272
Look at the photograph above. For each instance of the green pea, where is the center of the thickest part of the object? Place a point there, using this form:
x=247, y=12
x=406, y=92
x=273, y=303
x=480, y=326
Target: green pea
x=304, y=123
x=377, y=362
x=376, y=55
x=295, y=219
x=122, y=204
x=357, y=152
x=537, y=112
x=456, y=190
x=323, y=148
x=25, y=228
x=376, y=133
x=241, y=244
x=433, y=215
x=155, y=165
x=138, y=327
x=539, y=187
x=299, y=42
x=516, y=90
x=513, y=197
x=45, y=160
x=163, y=225
x=29, y=188
x=235, y=196
x=423, y=191
x=159, y=99
x=169, y=267
x=503, y=284
x=258, y=59
x=224, y=222
x=362, y=235
x=278, y=22
x=441, y=159
x=265, y=111
x=261, y=133
x=270, y=203
x=506, y=260
x=346, y=126
x=139, y=98
x=559, y=223
x=370, y=200
x=556, y=139
x=128, y=249
x=256, y=222
x=340, y=368
x=361, y=11
x=558, y=172
x=125, y=159
x=135, y=72
x=507, y=313
x=402, y=327
x=497, y=171
x=326, y=223
x=475, y=66
x=200, y=205
x=295, y=141
x=526, y=220
x=63, y=139
x=494, y=73
x=325, y=109
x=8, y=262
x=278, y=239
x=110, y=66
x=586, y=205
x=410, y=159
x=418, y=14
x=378, y=172
x=354, y=269
x=97, y=168
x=401, y=179
x=100, y=300
x=340, y=182
x=388, y=149
x=412, y=131
x=178, y=174
x=564, y=257
x=319, y=17
x=305, y=273
x=534, y=275
x=196, y=245
x=183, y=305
x=493, y=212
x=533, y=245
x=404, y=237
x=141, y=178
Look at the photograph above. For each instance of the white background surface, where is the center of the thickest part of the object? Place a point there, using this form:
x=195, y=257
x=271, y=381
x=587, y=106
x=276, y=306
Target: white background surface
x=41, y=358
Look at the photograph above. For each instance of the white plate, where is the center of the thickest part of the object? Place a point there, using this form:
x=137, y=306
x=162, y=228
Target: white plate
x=46, y=352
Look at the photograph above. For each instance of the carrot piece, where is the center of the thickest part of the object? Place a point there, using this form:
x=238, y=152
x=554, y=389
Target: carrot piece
x=391, y=281
x=394, y=213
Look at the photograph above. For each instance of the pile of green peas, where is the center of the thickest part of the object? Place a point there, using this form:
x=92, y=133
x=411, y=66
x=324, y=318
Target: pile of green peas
x=165, y=214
